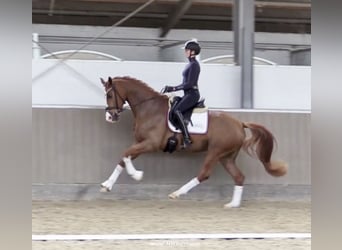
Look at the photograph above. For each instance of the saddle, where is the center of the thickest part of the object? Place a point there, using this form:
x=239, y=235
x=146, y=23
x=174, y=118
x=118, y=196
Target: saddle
x=199, y=107
x=198, y=112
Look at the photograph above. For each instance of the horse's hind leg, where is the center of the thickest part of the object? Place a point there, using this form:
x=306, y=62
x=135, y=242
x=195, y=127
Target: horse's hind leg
x=238, y=177
x=204, y=174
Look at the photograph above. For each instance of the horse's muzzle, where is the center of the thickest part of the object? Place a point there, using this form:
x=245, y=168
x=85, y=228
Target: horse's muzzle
x=112, y=117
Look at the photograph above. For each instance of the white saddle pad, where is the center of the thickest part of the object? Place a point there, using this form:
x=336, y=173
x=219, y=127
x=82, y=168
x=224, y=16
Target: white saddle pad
x=199, y=124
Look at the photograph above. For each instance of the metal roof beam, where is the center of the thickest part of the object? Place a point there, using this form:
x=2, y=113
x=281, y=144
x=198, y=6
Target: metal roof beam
x=244, y=19
x=51, y=7
x=175, y=16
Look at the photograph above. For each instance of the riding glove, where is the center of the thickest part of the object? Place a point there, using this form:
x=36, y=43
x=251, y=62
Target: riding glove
x=168, y=89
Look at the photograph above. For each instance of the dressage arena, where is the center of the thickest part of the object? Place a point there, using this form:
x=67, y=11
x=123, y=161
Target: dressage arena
x=141, y=217
x=74, y=149
x=69, y=212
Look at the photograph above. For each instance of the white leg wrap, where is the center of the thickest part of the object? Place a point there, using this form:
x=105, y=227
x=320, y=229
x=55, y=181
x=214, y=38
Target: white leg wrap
x=186, y=188
x=117, y=171
x=135, y=174
x=236, y=200
x=108, y=184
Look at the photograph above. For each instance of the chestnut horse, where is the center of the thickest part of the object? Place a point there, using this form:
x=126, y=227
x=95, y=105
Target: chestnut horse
x=224, y=138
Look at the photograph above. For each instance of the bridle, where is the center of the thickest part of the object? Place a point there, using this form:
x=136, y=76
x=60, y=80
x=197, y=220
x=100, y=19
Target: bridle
x=116, y=95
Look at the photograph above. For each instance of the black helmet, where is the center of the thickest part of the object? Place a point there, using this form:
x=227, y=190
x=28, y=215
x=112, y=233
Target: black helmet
x=193, y=45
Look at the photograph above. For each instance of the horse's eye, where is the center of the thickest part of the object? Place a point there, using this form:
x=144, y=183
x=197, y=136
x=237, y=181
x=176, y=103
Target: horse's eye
x=109, y=96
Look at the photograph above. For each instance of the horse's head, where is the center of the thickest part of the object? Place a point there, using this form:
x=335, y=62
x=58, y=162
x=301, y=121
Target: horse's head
x=115, y=100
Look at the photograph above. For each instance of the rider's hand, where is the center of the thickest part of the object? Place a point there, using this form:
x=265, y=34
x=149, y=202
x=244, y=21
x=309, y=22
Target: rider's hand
x=168, y=89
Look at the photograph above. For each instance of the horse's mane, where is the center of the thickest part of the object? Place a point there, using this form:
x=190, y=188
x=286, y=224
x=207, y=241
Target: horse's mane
x=136, y=81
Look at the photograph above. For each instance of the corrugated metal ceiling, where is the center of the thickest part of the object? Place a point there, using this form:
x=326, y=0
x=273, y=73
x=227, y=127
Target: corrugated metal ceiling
x=290, y=16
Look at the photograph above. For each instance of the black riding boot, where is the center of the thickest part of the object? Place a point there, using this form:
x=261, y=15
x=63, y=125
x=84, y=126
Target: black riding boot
x=186, y=137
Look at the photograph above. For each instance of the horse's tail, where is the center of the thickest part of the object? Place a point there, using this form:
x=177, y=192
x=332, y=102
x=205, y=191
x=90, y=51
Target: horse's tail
x=261, y=144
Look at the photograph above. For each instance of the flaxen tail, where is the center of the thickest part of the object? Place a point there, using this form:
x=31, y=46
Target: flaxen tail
x=261, y=144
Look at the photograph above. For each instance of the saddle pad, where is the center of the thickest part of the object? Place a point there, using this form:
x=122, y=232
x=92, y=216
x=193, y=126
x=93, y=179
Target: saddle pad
x=199, y=121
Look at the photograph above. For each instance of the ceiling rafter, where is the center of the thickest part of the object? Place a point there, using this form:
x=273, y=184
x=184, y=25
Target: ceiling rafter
x=175, y=16
x=51, y=7
x=288, y=16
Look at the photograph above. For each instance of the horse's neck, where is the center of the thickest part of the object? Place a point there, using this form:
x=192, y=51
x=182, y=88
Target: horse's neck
x=143, y=100
x=137, y=95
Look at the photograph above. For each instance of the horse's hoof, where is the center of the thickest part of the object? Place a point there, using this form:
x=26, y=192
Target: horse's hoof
x=138, y=175
x=231, y=205
x=173, y=196
x=104, y=190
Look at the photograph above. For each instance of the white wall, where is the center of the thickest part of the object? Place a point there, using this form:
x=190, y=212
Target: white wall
x=76, y=83
x=280, y=87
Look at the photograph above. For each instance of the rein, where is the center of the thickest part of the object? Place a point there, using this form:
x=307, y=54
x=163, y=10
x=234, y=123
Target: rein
x=146, y=100
x=116, y=93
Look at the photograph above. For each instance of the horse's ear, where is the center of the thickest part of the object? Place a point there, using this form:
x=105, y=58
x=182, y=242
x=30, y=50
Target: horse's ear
x=102, y=81
x=109, y=79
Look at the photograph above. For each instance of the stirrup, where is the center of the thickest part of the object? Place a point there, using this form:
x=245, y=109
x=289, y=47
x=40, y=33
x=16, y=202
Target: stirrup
x=186, y=142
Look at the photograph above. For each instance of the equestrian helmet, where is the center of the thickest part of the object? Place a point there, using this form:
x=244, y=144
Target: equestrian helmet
x=193, y=45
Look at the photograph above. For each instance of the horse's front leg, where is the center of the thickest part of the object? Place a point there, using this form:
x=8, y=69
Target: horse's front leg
x=107, y=185
x=131, y=153
x=131, y=171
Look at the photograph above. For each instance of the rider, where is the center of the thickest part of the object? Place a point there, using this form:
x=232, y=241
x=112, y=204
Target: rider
x=189, y=86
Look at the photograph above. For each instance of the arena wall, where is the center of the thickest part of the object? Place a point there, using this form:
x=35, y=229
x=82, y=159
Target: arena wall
x=78, y=146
